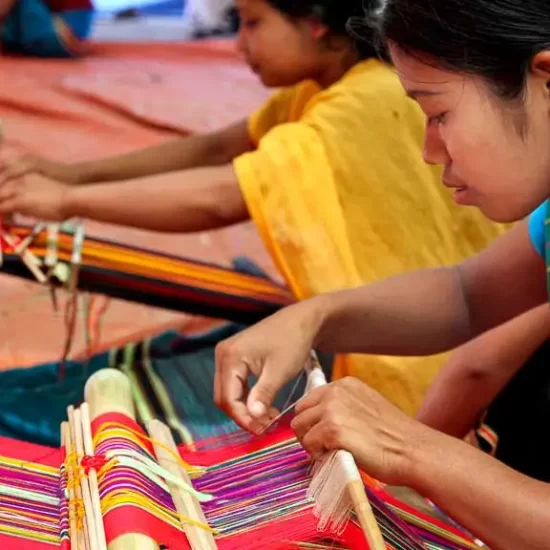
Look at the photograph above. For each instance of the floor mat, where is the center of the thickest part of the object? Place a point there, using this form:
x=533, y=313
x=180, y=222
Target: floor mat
x=119, y=98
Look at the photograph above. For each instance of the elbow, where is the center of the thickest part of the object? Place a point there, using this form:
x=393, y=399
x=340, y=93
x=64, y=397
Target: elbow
x=218, y=205
x=226, y=203
x=216, y=150
x=228, y=212
x=467, y=366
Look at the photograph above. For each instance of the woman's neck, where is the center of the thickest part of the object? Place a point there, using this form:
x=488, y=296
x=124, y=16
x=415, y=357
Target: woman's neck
x=339, y=61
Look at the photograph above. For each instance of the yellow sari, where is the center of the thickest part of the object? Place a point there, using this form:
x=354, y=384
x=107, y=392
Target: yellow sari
x=341, y=196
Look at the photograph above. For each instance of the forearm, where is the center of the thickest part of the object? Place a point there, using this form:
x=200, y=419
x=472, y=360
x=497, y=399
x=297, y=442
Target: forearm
x=418, y=313
x=455, y=406
x=479, y=370
x=199, y=200
x=503, y=508
x=202, y=150
x=173, y=155
x=433, y=310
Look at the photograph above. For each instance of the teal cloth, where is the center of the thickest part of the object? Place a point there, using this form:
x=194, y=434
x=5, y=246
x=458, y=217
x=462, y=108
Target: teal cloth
x=33, y=401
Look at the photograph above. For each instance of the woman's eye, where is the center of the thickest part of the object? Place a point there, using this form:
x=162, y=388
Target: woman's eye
x=249, y=23
x=437, y=119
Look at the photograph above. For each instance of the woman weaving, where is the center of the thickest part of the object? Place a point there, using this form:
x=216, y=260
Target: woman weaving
x=481, y=73
x=329, y=170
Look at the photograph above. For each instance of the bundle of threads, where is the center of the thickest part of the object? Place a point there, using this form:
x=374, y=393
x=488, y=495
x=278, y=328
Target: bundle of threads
x=254, y=495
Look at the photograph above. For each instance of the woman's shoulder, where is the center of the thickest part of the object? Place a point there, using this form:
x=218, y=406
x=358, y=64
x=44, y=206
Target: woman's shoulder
x=369, y=91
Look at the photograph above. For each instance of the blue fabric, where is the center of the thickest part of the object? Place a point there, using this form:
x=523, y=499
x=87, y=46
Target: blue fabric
x=80, y=22
x=29, y=29
x=536, y=228
x=33, y=401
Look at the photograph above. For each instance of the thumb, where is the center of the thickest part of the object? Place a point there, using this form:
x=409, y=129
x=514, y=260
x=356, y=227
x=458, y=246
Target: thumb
x=263, y=393
x=17, y=169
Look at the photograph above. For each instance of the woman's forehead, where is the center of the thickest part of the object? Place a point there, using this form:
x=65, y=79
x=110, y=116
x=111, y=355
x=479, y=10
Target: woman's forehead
x=422, y=74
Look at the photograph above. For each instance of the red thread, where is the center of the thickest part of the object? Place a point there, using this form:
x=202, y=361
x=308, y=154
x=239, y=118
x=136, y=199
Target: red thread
x=93, y=463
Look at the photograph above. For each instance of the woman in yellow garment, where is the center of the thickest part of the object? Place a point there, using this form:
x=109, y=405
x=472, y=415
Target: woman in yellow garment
x=329, y=169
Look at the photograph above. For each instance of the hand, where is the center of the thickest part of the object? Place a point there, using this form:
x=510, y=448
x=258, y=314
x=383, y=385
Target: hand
x=14, y=165
x=349, y=415
x=274, y=350
x=34, y=196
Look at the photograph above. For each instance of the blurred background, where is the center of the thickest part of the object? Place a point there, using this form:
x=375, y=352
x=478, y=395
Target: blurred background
x=151, y=70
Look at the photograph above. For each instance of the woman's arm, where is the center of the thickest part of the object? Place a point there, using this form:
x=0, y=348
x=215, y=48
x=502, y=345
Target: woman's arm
x=503, y=508
x=418, y=313
x=434, y=310
x=214, y=149
x=201, y=150
x=479, y=370
x=201, y=199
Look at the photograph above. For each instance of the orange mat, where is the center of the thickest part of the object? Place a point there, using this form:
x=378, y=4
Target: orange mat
x=119, y=98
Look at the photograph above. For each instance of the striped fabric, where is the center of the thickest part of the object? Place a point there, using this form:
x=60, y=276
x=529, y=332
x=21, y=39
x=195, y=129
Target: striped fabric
x=161, y=280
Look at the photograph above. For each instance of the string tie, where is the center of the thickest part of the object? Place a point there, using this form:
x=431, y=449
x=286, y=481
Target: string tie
x=96, y=463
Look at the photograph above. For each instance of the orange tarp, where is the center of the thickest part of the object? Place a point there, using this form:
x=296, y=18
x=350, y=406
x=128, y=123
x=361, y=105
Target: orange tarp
x=119, y=98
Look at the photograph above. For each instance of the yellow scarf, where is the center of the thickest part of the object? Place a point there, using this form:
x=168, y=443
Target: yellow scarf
x=341, y=196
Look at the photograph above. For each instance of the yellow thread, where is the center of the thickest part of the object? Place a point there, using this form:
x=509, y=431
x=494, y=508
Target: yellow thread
x=121, y=428
x=74, y=474
x=18, y=532
x=23, y=465
x=125, y=497
x=80, y=513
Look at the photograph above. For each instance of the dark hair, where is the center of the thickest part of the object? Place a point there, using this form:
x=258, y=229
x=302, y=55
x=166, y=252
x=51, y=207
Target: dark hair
x=494, y=39
x=335, y=14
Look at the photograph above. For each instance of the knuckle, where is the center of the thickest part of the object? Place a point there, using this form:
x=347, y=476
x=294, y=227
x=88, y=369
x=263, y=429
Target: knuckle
x=350, y=383
x=332, y=436
x=332, y=417
x=225, y=350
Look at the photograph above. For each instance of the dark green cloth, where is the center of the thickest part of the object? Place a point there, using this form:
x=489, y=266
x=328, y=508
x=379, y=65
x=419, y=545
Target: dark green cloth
x=172, y=376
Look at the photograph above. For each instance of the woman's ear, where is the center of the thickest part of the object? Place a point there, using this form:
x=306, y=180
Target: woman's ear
x=540, y=67
x=317, y=29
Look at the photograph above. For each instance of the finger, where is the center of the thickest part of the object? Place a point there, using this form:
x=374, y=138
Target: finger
x=260, y=426
x=305, y=420
x=14, y=170
x=273, y=376
x=311, y=399
x=313, y=441
x=8, y=206
x=8, y=188
x=225, y=360
x=9, y=197
x=217, y=380
x=17, y=169
x=234, y=393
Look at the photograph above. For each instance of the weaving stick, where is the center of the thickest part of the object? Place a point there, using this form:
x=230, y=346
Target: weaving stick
x=76, y=491
x=109, y=391
x=75, y=423
x=25, y=243
x=74, y=535
x=92, y=476
x=186, y=504
x=29, y=259
x=336, y=469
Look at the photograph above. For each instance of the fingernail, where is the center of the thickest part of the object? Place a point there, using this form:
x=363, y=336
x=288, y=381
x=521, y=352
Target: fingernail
x=257, y=409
